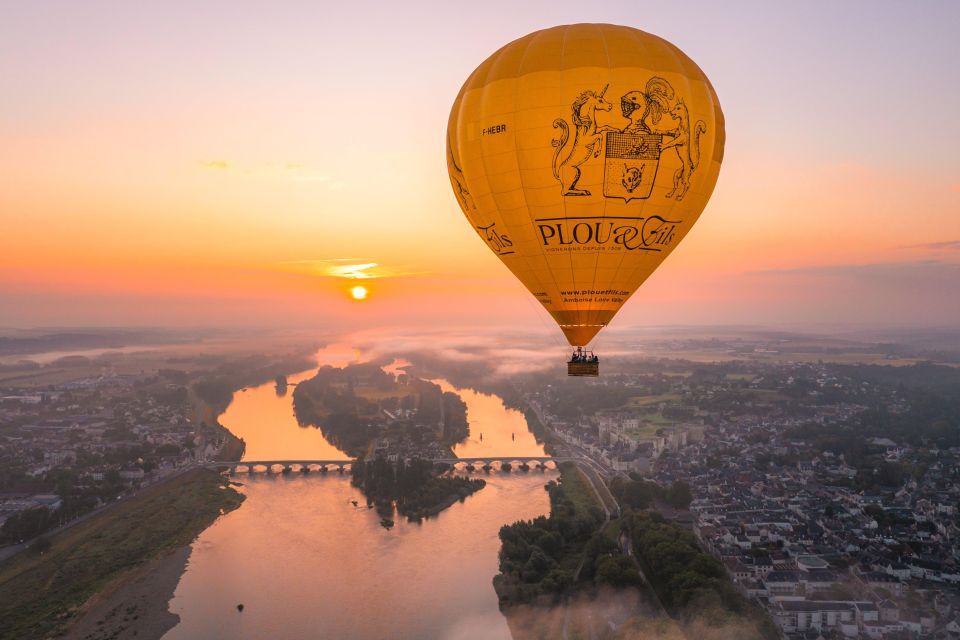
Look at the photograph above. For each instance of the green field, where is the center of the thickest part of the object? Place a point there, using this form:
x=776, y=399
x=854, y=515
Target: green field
x=577, y=488
x=39, y=593
x=646, y=401
x=648, y=431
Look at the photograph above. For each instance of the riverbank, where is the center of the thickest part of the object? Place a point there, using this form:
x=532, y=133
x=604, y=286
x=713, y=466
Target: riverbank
x=135, y=604
x=111, y=567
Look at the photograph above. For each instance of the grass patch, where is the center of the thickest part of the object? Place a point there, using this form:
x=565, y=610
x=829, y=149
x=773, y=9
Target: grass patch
x=577, y=488
x=40, y=593
x=646, y=401
x=647, y=431
x=612, y=530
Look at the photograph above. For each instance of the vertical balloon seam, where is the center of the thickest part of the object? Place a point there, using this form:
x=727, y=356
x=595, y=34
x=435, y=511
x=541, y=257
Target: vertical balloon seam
x=483, y=95
x=672, y=51
x=573, y=271
x=516, y=146
x=635, y=34
x=667, y=46
x=532, y=273
x=593, y=316
x=471, y=85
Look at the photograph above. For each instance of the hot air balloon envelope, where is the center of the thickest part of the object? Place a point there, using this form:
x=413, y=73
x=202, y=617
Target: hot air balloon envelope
x=582, y=155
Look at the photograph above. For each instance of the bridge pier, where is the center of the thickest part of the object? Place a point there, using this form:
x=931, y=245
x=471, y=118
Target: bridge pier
x=441, y=465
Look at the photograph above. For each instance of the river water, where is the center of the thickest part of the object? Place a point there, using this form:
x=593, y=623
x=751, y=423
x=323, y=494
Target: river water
x=306, y=563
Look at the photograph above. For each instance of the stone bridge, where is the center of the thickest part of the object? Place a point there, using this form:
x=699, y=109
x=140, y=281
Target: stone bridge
x=503, y=463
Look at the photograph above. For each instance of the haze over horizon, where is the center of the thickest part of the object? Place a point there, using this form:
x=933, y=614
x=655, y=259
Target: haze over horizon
x=195, y=165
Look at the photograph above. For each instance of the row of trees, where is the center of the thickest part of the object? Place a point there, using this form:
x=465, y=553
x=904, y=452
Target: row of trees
x=27, y=524
x=690, y=583
x=637, y=493
x=539, y=558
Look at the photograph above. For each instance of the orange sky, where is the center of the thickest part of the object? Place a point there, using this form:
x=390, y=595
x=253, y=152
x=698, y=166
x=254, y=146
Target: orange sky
x=209, y=165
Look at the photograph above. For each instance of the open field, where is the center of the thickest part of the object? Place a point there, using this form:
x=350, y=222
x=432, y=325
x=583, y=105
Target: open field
x=43, y=592
x=647, y=401
x=648, y=431
x=779, y=357
x=577, y=487
x=374, y=395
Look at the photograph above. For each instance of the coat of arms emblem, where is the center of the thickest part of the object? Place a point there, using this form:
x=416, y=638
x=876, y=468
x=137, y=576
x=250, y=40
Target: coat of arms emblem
x=631, y=161
x=631, y=154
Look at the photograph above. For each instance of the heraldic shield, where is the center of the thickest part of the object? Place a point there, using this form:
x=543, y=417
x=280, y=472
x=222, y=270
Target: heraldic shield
x=631, y=163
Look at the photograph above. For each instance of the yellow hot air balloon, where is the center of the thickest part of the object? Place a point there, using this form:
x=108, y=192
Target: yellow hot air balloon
x=582, y=155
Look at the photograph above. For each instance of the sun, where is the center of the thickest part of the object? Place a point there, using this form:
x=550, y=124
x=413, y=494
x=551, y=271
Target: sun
x=359, y=293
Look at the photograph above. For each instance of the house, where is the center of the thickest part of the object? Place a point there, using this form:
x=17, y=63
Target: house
x=889, y=612
x=133, y=473
x=898, y=570
x=878, y=580
x=917, y=621
x=739, y=571
x=867, y=612
x=782, y=582
x=49, y=500
x=800, y=615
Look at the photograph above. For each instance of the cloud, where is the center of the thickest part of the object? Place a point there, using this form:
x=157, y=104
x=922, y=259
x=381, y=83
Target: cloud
x=947, y=245
x=350, y=268
x=488, y=350
x=292, y=171
x=917, y=268
x=919, y=292
x=220, y=165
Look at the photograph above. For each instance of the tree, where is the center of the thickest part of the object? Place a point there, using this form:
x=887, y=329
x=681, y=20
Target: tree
x=537, y=566
x=26, y=524
x=679, y=495
x=617, y=571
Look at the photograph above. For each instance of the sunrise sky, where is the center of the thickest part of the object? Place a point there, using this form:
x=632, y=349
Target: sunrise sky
x=206, y=163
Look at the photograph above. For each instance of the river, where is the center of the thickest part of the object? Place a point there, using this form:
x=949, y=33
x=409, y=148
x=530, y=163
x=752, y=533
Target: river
x=306, y=563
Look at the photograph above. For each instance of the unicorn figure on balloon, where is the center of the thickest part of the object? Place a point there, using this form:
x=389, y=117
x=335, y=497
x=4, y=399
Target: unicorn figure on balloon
x=586, y=141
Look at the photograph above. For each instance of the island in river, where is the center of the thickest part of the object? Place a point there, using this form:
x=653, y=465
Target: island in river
x=394, y=425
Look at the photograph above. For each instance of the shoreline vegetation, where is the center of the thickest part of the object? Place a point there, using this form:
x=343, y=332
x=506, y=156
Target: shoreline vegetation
x=43, y=594
x=413, y=488
x=569, y=554
x=565, y=574
x=355, y=405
